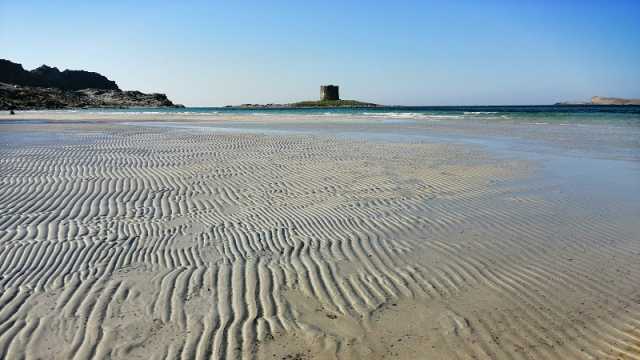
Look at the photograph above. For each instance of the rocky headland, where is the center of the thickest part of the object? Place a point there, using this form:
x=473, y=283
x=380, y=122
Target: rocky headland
x=600, y=100
x=49, y=88
x=597, y=100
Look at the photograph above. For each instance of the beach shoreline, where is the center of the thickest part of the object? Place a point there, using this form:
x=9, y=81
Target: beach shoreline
x=302, y=237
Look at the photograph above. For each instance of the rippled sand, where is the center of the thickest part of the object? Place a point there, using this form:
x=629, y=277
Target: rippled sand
x=138, y=241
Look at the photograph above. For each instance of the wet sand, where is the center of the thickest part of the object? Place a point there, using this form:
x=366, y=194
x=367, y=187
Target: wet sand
x=291, y=238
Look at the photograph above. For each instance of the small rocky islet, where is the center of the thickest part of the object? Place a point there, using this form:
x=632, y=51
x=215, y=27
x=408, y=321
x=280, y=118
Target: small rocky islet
x=329, y=98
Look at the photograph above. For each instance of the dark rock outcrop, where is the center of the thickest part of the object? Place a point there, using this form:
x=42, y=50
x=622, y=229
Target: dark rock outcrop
x=28, y=97
x=49, y=88
x=13, y=73
x=46, y=76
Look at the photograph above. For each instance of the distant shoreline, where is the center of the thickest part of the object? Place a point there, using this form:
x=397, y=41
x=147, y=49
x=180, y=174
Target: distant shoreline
x=603, y=101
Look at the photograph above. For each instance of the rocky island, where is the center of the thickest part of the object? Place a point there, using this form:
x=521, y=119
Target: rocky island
x=329, y=97
x=49, y=88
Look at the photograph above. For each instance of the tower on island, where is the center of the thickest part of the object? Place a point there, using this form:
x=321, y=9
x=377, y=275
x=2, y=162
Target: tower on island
x=329, y=92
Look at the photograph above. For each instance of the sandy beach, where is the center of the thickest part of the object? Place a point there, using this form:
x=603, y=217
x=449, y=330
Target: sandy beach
x=248, y=237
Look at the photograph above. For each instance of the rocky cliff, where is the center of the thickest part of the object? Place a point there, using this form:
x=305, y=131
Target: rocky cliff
x=49, y=88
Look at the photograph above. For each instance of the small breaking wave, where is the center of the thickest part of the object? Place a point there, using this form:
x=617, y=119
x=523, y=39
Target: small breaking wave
x=409, y=115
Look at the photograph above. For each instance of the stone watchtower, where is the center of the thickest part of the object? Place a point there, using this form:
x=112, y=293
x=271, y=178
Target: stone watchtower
x=329, y=92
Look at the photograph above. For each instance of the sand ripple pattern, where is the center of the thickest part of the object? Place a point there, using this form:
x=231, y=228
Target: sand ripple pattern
x=138, y=242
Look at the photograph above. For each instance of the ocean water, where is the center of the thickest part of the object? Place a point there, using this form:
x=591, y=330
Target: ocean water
x=629, y=115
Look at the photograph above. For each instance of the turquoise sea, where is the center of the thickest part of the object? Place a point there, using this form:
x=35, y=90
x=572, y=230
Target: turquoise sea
x=529, y=114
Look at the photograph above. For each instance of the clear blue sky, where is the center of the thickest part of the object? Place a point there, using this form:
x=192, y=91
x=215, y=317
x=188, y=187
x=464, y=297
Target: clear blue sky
x=393, y=52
